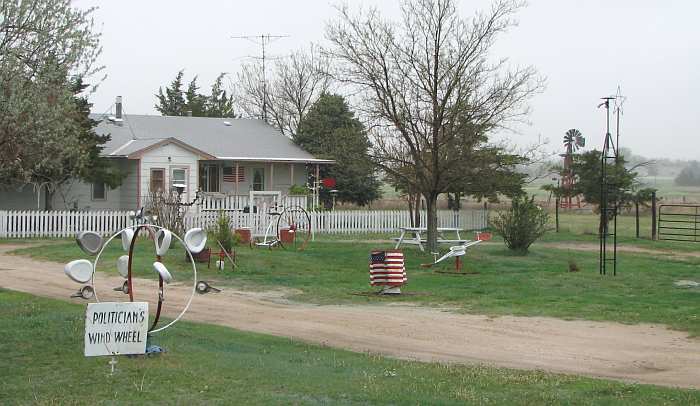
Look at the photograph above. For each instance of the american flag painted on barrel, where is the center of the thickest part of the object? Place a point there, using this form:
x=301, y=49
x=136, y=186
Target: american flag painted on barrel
x=386, y=268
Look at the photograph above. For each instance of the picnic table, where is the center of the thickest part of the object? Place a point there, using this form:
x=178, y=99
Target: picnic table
x=415, y=238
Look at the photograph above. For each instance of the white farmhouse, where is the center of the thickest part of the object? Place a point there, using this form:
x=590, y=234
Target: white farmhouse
x=225, y=159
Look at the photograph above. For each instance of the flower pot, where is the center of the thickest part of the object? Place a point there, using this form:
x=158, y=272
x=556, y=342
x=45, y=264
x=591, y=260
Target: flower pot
x=244, y=234
x=287, y=236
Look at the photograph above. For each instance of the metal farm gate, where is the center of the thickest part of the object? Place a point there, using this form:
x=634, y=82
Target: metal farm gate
x=679, y=222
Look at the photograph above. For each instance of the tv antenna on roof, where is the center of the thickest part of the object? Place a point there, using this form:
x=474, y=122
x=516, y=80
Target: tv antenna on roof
x=263, y=40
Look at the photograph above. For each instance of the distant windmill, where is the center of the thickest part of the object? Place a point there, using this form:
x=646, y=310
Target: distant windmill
x=573, y=140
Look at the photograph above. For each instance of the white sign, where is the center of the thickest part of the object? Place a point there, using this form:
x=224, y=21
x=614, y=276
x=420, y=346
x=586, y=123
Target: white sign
x=116, y=328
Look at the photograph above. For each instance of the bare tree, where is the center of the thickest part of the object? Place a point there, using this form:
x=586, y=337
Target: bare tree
x=429, y=87
x=294, y=84
x=166, y=210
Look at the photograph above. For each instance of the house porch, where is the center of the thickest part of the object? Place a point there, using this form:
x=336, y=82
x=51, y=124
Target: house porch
x=227, y=184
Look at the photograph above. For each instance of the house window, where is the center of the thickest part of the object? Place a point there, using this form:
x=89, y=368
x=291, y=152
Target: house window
x=259, y=179
x=99, y=191
x=157, y=180
x=179, y=179
x=209, y=178
x=231, y=176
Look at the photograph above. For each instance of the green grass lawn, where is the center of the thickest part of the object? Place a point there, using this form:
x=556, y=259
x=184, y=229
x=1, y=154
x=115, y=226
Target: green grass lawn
x=41, y=362
x=335, y=270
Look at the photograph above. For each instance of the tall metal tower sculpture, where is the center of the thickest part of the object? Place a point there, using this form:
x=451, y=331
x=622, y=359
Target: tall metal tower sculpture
x=573, y=140
x=609, y=188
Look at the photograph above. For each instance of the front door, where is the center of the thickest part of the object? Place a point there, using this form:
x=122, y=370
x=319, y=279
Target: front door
x=209, y=178
x=258, y=179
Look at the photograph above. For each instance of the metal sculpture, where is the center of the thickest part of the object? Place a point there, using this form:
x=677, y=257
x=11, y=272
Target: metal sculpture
x=609, y=188
x=291, y=226
x=456, y=251
x=294, y=227
x=83, y=271
x=573, y=140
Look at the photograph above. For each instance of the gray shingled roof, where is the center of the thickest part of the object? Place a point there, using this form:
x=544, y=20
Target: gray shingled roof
x=241, y=139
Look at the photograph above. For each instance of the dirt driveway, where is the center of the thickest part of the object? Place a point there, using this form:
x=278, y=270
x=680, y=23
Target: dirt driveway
x=640, y=353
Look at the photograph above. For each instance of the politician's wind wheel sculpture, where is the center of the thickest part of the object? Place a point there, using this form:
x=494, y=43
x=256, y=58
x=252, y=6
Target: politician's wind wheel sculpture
x=82, y=271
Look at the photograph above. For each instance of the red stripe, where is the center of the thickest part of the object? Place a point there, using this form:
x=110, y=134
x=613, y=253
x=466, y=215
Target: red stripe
x=380, y=274
x=395, y=276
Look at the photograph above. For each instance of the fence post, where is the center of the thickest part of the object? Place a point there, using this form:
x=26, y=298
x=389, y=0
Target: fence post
x=653, y=216
x=636, y=218
x=3, y=224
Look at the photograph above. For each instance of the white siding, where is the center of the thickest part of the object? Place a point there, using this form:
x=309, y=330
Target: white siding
x=128, y=187
x=78, y=195
x=168, y=157
x=20, y=198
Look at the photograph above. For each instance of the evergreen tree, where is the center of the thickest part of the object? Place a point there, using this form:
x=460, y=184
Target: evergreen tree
x=172, y=103
x=95, y=168
x=178, y=102
x=219, y=103
x=330, y=130
x=194, y=102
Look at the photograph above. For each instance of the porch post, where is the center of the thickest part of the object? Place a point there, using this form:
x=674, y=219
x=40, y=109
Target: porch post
x=272, y=176
x=291, y=174
x=236, y=187
x=317, y=186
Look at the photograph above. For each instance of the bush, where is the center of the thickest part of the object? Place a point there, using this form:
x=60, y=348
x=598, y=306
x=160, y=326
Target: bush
x=223, y=232
x=522, y=224
x=298, y=190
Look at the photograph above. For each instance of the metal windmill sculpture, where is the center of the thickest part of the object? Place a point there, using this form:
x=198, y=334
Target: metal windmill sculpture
x=573, y=140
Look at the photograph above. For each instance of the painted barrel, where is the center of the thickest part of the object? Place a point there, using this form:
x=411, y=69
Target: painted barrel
x=386, y=268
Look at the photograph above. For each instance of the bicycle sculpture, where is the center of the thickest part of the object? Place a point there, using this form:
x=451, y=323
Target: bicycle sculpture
x=289, y=226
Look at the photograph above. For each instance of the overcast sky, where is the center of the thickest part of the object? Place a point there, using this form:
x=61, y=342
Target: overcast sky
x=584, y=48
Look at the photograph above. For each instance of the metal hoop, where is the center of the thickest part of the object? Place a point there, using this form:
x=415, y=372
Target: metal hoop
x=135, y=228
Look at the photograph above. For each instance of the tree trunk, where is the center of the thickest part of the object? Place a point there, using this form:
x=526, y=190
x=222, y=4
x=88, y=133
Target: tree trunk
x=48, y=204
x=416, y=213
x=431, y=202
x=410, y=210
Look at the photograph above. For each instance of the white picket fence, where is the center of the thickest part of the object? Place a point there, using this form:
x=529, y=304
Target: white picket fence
x=382, y=221
x=60, y=223
x=216, y=202
x=37, y=224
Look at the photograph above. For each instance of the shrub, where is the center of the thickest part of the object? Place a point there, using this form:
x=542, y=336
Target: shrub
x=522, y=224
x=223, y=232
x=298, y=190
